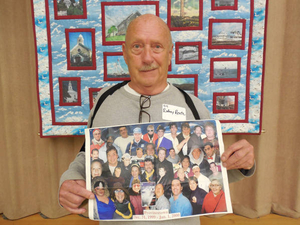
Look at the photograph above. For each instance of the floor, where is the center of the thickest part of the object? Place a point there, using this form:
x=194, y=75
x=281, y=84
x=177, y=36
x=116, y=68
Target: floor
x=225, y=220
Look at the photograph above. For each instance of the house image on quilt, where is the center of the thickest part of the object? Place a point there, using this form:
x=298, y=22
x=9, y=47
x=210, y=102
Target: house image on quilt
x=80, y=54
x=122, y=27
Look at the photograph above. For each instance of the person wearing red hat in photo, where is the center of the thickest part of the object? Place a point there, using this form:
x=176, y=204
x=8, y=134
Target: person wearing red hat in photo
x=97, y=142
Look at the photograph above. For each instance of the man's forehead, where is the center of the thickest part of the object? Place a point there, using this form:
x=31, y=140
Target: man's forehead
x=141, y=24
x=176, y=182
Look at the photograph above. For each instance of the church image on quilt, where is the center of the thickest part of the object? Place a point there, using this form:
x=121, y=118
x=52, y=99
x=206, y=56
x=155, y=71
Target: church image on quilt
x=81, y=55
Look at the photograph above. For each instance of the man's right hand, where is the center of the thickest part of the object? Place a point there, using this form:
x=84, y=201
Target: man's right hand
x=71, y=195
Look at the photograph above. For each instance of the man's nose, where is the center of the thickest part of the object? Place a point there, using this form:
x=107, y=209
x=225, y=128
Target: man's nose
x=147, y=56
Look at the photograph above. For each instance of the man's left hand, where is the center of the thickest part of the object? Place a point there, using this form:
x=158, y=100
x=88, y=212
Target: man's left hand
x=239, y=155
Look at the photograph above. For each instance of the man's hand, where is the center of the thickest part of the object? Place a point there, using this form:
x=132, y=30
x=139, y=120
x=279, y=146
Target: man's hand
x=72, y=193
x=239, y=155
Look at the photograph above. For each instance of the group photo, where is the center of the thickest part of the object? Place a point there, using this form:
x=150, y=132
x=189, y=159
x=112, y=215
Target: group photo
x=170, y=167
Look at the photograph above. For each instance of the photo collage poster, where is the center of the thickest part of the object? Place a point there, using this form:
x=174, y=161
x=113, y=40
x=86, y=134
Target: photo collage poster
x=156, y=171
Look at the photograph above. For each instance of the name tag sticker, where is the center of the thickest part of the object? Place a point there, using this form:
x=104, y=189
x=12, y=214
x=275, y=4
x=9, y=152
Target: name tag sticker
x=172, y=112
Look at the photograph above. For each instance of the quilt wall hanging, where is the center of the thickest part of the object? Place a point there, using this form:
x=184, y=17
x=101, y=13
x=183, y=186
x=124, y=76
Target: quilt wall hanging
x=218, y=56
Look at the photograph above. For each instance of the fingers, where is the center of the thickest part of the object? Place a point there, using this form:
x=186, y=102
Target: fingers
x=240, y=155
x=71, y=195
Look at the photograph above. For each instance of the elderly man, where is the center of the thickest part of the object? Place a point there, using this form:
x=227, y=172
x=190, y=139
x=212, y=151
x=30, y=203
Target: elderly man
x=137, y=142
x=147, y=51
x=97, y=142
x=179, y=203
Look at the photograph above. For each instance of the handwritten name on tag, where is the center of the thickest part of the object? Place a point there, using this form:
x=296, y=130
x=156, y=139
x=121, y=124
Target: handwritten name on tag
x=172, y=112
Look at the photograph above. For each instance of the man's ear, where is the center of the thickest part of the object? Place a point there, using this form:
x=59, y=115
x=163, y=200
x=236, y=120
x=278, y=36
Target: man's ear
x=124, y=52
x=170, y=54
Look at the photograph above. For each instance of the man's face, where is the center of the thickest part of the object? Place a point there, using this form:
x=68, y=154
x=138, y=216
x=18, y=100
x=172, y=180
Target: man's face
x=186, y=130
x=159, y=190
x=110, y=141
x=123, y=132
x=176, y=187
x=147, y=52
x=149, y=166
x=209, y=150
x=196, y=171
x=198, y=131
x=139, y=153
x=137, y=136
x=161, y=155
x=96, y=169
x=97, y=135
x=173, y=129
x=95, y=155
x=172, y=153
x=209, y=131
x=196, y=153
x=119, y=193
x=112, y=158
x=150, y=150
x=160, y=133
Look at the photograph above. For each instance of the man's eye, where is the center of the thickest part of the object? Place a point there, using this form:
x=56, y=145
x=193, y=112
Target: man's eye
x=136, y=48
x=157, y=48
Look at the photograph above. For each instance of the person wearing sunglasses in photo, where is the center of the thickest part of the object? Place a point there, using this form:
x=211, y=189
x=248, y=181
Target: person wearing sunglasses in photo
x=147, y=97
x=150, y=136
